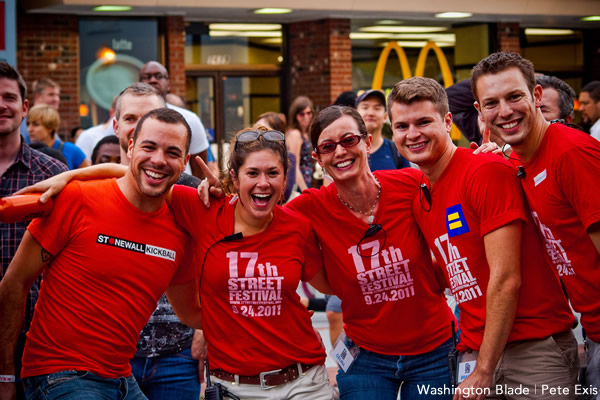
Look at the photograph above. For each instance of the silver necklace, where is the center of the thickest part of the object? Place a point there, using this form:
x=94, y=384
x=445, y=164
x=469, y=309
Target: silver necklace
x=370, y=214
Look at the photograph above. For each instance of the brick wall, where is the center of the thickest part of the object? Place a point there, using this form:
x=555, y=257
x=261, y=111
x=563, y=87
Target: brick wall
x=320, y=60
x=48, y=46
x=508, y=37
x=175, y=47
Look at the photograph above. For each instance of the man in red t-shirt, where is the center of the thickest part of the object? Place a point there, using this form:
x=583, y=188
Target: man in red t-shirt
x=471, y=211
x=108, y=251
x=560, y=174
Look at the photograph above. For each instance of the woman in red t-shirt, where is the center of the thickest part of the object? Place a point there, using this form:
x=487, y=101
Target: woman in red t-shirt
x=378, y=263
x=260, y=337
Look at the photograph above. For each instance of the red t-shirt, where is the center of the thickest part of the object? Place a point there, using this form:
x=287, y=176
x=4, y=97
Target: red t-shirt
x=254, y=321
x=392, y=302
x=112, y=263
x=562, y=185
x=475, y=195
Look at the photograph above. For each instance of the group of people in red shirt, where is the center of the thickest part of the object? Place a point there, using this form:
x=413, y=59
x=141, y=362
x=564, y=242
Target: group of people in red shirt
x=505, y=234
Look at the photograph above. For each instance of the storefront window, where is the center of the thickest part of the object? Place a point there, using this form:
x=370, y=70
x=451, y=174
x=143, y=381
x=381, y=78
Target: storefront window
x=112, y=52
x=232, y=43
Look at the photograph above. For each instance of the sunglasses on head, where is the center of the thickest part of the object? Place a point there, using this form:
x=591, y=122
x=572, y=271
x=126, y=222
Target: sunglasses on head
x=251, y=136
x=330, y=146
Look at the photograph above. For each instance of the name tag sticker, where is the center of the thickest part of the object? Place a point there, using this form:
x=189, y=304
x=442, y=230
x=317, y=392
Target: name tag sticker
x=465, y=369
x=539, y=178
x=342, y=354
x=466, y=365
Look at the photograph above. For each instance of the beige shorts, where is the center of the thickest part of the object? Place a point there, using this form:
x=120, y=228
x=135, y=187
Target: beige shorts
x=313, y=385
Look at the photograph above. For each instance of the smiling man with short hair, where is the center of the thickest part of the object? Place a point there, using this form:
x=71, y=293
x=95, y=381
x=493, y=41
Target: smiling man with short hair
x=560, y=176
x=108, y=251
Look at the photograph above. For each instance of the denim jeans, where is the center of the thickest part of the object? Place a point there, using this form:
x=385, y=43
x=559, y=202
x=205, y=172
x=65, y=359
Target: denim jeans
x=81, y=385
x=169, y=376
x=380, y=376
x=592, y=375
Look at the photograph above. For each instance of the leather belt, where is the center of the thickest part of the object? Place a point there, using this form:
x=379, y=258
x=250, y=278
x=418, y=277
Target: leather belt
x=267, y=379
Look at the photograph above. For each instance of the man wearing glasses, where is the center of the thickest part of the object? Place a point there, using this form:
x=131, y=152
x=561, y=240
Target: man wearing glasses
x=155, y=74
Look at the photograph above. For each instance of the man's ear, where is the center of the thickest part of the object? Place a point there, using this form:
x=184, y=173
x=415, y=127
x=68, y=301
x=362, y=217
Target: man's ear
x=115, y=125
x=448, y=121
x=130, y=148
x=477, y=107
x=537, y=95
x=25, y=108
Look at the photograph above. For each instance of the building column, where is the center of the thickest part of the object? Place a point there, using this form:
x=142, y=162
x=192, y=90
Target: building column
x=320, y=60
x=175, y=53
x=508, y=37
x=51, y=50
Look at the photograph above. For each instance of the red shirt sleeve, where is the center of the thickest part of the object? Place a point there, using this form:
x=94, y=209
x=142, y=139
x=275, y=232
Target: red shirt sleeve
x=500, y=201
x=54, y=231
x=313, y=259
x=189, y=267
x=303, y=203
x=579, y=174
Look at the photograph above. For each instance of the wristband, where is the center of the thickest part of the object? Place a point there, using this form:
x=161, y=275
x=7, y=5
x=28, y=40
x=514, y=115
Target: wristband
x=7, y=378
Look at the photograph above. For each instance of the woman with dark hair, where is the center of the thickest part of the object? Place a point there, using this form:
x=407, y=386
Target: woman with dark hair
x=378, y=263
x=298, y=140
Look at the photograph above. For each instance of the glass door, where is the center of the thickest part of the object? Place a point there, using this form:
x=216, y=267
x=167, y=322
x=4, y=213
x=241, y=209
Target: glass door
x=229, y=101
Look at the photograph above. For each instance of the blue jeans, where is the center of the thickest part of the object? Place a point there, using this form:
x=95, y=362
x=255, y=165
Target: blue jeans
x=81, y=385
x=169, y=376
x=380, y=376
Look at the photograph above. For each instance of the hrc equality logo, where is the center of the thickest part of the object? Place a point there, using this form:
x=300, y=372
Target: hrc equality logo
x=456, y=223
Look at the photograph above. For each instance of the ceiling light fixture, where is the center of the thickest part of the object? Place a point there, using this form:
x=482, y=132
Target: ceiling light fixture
x=113, y=8
x=403, y=29
x=540, y=32
x=388, y=22
x=453, y=14
x=244, y=27
x=244, y=33
x=273, y=11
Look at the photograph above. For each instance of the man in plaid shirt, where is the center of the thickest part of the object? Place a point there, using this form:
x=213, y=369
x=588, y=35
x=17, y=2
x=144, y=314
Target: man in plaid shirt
x=20, y=166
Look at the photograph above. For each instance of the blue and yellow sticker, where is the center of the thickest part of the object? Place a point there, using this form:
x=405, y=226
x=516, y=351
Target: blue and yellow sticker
x=456, y=223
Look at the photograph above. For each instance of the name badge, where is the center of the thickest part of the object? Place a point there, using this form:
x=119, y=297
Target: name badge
x=539, y=178
x=342, y=354
x=466, y=365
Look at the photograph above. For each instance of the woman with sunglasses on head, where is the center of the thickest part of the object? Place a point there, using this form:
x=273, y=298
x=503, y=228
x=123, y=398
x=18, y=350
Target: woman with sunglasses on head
x=260, y=337
x=298, y=140
x=378, y=263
